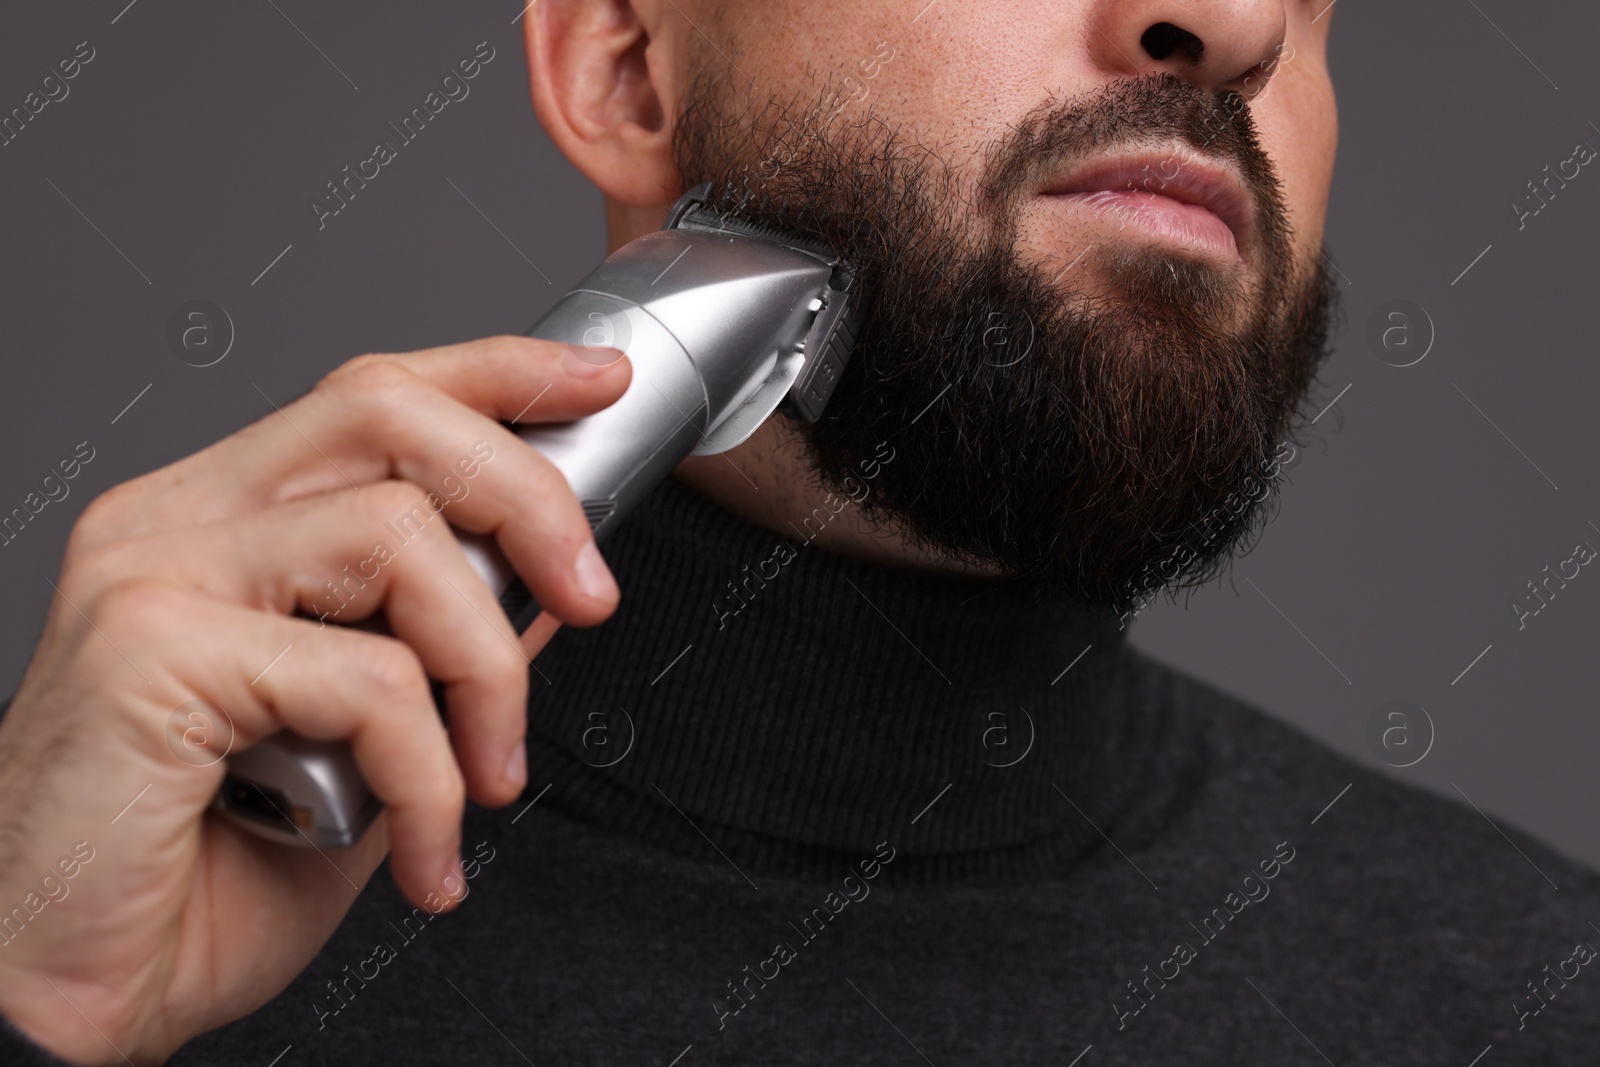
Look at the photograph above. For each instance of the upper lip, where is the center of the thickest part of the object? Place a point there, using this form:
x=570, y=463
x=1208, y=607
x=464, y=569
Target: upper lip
x=1198, y=181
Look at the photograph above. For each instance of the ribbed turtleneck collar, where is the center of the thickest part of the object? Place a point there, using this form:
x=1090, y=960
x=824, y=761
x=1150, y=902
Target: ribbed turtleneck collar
x=793, y=708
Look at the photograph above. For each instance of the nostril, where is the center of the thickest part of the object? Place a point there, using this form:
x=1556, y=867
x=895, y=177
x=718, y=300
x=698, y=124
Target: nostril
x=1163, y=39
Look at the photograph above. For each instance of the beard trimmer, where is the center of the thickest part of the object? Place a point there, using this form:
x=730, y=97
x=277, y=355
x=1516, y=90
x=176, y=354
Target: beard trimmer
x=725, y=322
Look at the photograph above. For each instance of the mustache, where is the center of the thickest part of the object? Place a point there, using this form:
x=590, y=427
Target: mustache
x=1159, y=108
x=774, y=161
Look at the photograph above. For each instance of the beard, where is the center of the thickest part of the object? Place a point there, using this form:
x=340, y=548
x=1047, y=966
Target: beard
x=1101, y=439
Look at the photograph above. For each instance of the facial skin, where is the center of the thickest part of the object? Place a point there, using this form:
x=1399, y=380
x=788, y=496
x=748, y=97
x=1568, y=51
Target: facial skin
x=1006, y=117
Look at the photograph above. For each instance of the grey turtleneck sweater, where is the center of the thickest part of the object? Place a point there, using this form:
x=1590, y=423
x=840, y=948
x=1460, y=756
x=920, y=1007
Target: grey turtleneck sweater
x=791, y=808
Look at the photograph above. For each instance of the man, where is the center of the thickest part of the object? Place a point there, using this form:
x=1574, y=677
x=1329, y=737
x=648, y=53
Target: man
x=861, y=769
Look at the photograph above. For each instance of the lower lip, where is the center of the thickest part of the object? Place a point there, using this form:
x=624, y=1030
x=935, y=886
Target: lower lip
x=1158, y=216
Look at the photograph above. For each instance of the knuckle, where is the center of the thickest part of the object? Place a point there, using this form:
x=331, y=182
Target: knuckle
x=453, y=791
x=403, y=509
x=506, y=664
x=544, y=499
x=95, y=566
x=384, y=501
x=550, y=486
x=137, y=606
x=359, y=365
x=377, y=379
x=104, y=515
x=393, y=671
x=551, y=515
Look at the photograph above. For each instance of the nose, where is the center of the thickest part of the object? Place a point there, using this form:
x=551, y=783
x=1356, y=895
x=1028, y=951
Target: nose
x=1215, y=44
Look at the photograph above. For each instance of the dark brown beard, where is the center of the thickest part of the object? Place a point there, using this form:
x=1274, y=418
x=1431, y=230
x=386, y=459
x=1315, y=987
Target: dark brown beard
x=1137, y=418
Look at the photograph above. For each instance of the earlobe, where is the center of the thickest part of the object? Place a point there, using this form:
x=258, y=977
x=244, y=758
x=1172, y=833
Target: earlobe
x=602, y=84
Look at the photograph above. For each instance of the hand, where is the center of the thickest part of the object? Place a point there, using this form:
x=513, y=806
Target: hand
x=131, y=919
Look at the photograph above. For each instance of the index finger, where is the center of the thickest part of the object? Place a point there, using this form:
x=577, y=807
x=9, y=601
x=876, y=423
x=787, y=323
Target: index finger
x=492, y=375
x=506, y=378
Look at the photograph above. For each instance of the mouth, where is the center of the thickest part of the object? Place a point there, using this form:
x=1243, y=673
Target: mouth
x=1176, y=197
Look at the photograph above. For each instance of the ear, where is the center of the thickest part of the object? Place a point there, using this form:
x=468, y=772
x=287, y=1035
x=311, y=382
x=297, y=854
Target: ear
x=603, y=88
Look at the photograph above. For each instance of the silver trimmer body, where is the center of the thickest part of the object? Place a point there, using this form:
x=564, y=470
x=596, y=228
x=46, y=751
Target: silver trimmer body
x=724, y=323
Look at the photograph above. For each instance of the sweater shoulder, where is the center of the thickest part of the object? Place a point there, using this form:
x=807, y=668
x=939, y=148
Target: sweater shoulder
x=1372, y=825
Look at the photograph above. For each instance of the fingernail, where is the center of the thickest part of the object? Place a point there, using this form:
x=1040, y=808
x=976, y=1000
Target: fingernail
x=594, y=577
x=587, y=362
x=517, y=765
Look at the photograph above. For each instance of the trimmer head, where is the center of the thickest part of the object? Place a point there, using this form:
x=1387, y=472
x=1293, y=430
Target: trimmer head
x=839, y=319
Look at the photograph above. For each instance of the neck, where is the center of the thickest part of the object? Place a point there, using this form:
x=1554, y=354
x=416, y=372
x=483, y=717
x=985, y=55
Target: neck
x=624, y=222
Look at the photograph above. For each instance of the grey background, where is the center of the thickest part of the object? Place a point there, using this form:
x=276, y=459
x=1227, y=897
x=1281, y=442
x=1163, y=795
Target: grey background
x=190, y=147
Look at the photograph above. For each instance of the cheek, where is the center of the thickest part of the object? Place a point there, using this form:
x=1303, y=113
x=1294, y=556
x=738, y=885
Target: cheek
x=948, y=74
x=1300, y=131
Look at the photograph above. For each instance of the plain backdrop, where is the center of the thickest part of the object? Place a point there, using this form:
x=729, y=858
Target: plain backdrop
x=181, y=165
